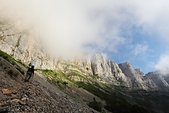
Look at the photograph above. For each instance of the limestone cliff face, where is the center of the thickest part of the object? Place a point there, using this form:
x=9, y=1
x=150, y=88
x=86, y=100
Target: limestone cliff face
x=23, y=47
x=107, y=70
x=160, y=80
x=99, y=66
x=27, y=49
x=136, y=77
x=111, y=73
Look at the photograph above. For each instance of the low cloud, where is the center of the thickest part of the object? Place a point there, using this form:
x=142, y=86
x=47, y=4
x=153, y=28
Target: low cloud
x=163, y=64
x=75, y=27
x=67, y=28
x=140, y=49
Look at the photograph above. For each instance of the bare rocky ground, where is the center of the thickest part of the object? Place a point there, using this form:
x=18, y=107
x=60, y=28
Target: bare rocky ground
x=37, y=96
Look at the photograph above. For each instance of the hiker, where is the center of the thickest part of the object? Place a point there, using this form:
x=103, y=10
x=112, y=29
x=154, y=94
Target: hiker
x=29, y=73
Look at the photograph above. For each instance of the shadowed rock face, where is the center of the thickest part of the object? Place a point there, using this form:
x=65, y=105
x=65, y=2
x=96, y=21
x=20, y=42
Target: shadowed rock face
x=161, y=81
x=136, y=77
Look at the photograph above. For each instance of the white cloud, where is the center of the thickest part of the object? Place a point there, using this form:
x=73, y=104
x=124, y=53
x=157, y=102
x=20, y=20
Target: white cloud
x=153, y=16
x=67, y=26
x=163, y=64
x=140, y=49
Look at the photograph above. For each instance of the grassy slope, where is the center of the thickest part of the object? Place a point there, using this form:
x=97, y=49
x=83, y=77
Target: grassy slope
x=116, y=101
x=18, y=64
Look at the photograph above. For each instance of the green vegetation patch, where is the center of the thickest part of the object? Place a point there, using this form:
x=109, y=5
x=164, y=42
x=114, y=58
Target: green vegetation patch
x=57, y=77
x=7, y=57
x=19, y=65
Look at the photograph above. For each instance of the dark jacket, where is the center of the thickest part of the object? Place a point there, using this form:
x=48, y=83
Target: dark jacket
x=30, y=71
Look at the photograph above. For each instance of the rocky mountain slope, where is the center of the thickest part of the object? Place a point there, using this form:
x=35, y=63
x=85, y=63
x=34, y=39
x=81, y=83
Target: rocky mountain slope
x=161, y=80
x=26, y=49
x=38, y=96
x=57, y=93
x=136, y=77
x=73, y=85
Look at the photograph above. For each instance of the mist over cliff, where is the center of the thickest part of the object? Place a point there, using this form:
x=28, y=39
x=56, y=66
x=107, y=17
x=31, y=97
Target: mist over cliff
x=66, y=28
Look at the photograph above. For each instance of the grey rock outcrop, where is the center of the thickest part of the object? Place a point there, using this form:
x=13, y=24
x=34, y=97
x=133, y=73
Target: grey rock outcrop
x=160, y=80
x=107, y=70
x=136, y=78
